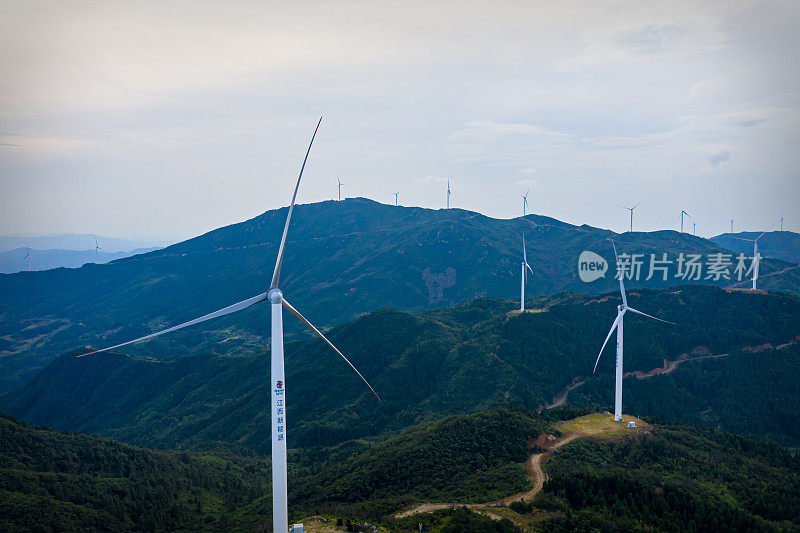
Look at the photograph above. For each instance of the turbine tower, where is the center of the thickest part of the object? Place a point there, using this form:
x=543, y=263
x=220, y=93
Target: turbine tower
x=524, y=276
x=631, y=210
x=731, y=226
x=781, y=223
x=395, y=198
x=525, y=202
x=621, y=310
x=280, y=515
x=448, y=193
x=688, y=215
x=339, y=187
x=96, y=250
x=694, y=227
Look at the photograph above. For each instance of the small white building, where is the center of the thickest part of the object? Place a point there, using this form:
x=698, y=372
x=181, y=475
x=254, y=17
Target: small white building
x=296, y=528
x=631, y=424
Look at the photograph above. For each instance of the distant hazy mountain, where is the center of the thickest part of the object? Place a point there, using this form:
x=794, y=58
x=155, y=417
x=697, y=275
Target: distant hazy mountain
x=342, y=259
x=71, y=241
x=12, y=261
x=783, y=245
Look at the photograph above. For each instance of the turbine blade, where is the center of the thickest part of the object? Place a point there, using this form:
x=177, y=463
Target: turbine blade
x=524, y=252
x=529, y=267
x=632, y=310
x=301, y=318
x=277, y=273
x=768, y=229
x=621, y=285
x=613, y=327
x=222, y=312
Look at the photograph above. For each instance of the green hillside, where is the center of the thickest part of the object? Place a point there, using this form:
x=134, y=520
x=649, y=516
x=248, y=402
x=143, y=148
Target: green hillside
x=450, y=361
x=783, y=245
x=65, y=482
x=342, y=259
x=663, y=478
x=677, y=478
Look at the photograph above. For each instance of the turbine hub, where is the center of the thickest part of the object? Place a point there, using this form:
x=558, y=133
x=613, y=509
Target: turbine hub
x=275, y=296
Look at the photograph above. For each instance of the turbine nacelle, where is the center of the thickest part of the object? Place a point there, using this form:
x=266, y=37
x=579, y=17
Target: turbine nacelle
x=275, y=296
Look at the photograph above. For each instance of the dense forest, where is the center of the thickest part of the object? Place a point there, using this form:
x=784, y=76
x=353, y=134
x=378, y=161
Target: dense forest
x=457, y=360
x=676, y=479
x=55, y=482
x=668, y=478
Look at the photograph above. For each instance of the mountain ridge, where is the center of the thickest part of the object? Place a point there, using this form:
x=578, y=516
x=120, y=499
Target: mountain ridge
x=342, y=259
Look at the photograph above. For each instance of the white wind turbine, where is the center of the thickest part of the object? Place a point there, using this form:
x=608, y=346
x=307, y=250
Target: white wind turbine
x=688, y=215
x=96, y=250
x=448, y=193
x=524, y=275
x=621, y=310
x=756, y=255
x=631, y=210
x=525, y=202
x=396, y=194
x=280, y=514
x=339, y=187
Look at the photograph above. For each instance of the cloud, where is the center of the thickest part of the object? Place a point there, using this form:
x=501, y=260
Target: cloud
x=717, y=158
x=527, y=182
x=431, y=178
x=527, y=171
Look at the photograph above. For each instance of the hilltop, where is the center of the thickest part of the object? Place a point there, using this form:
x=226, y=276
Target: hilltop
x=342, y=259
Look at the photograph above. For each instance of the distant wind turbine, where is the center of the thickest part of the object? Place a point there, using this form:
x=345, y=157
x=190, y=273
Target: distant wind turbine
x=631, y=210
x=756, y=255
x=525, y=202
x=524, y=275
x=395, y=198
x=694, y=227
x=280, y=515
x=27, y=259
x=781, y=223
x=340, y=187
x=731, y=226
x=688, y=215
x=448, y=194
x=621, y=310
x=96, y=250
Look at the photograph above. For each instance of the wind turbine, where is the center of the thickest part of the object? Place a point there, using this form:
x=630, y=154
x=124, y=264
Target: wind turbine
x=96, y=250
x=448, y=193
x=524, y=275
x=694, y=227
x=688, y=215
x=340, y=187
x=395, y=198
x=280, y=514
x=631, y=210
x=27, y=258
x=756, y=255
x=525, y=202
x=731, y=226
x=621, y=310
x=781, y=223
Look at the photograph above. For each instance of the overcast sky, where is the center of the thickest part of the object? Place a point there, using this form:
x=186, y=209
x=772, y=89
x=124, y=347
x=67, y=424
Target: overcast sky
x=164, y=120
